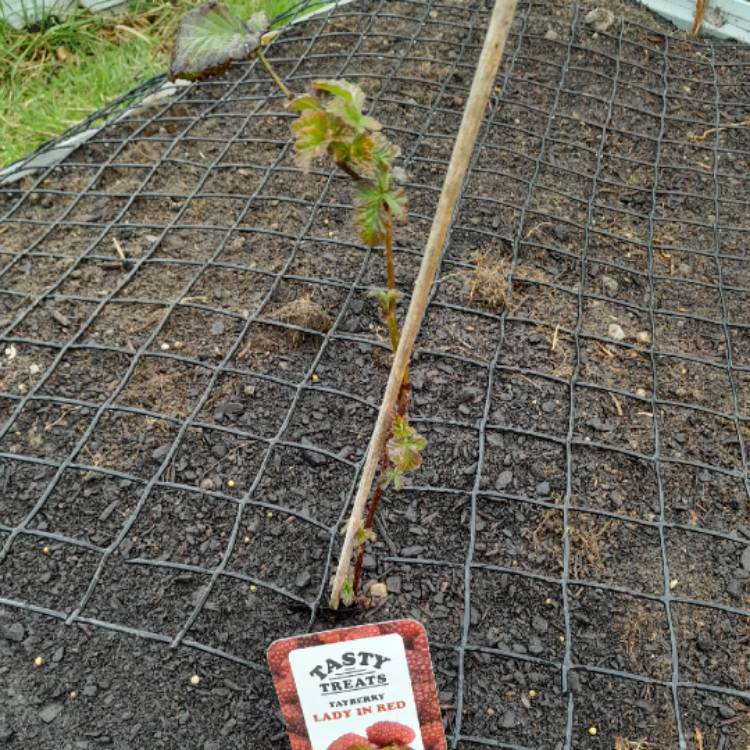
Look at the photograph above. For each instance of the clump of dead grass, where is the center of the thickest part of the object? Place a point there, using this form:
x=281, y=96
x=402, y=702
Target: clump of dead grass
x=637, y=628
x=487, y=283
x=589, y=540
x=305, y=313
x=622, y=744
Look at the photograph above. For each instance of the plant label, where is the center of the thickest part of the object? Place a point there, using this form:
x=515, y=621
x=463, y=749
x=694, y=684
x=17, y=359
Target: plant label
x=361, y=688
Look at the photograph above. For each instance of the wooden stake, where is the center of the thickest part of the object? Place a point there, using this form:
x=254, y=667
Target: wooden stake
x=481, y=88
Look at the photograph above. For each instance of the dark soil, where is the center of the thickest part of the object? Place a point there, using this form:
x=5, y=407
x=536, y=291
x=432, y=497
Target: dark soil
x=179, y=447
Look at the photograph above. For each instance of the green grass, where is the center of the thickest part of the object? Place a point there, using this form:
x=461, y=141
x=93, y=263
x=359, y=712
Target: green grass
x=55, y=76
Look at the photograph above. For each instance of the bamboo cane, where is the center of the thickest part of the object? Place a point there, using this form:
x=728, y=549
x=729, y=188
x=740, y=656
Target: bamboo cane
x=481, y=88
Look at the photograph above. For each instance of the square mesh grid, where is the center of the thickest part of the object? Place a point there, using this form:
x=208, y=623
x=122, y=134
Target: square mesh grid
x=585, y=489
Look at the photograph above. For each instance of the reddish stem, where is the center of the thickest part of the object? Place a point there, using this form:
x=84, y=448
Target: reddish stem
x=403, y=397
x=344, y=167
x=403, y=403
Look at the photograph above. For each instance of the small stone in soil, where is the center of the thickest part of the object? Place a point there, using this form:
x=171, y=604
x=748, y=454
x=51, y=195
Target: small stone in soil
x=609, y=285
x=417, y=381
x=394, y=584
x=60, y=318
x=539, y=624
x=378, y=590
x=508, y=721
x=107, y=512
x=536, y=646
x=745, y=560
x=574, y=682
x=469, y=393
x=615, y=332
x=50, y=712
x=303, y=579
x=313, y=457
x=15, y=632
x=505, y=478
x=411, y=551
x=704, y=644
x=600, y=19
x=160, y=452
x=542, y=489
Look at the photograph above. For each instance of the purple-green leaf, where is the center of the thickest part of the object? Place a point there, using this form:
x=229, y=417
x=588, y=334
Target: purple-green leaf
x=405, y=446
x=314, y=131
x=210, y=39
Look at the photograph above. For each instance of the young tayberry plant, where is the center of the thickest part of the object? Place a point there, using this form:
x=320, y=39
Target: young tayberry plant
x=332, y=123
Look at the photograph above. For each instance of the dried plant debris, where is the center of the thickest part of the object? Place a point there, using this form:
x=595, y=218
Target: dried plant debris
x=305, y=313
x=622, y=744
x=487, y=282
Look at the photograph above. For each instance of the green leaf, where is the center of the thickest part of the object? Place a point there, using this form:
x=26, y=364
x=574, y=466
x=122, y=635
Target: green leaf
x=347, y=592
x=258, y=19
x=393, y=476
x=343, y=90
x=210, y=39
x=314, y=130
x=372, y=203
x=386, y=297
x=395, y=199
x=304, y=102
x=347, y=102
x=369, y=215
x=363, y=535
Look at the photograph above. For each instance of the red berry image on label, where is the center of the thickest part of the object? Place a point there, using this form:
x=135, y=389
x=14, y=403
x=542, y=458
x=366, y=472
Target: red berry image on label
x=386, y=733
x=352, y=742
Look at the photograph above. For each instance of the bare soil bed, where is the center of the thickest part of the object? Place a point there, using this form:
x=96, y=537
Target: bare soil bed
x=180, y=438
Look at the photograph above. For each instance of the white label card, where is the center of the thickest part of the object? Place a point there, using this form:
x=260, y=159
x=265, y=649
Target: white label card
x=349, y=686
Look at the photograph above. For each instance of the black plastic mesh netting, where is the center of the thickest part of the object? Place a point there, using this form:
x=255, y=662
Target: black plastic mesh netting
x=180, y=443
